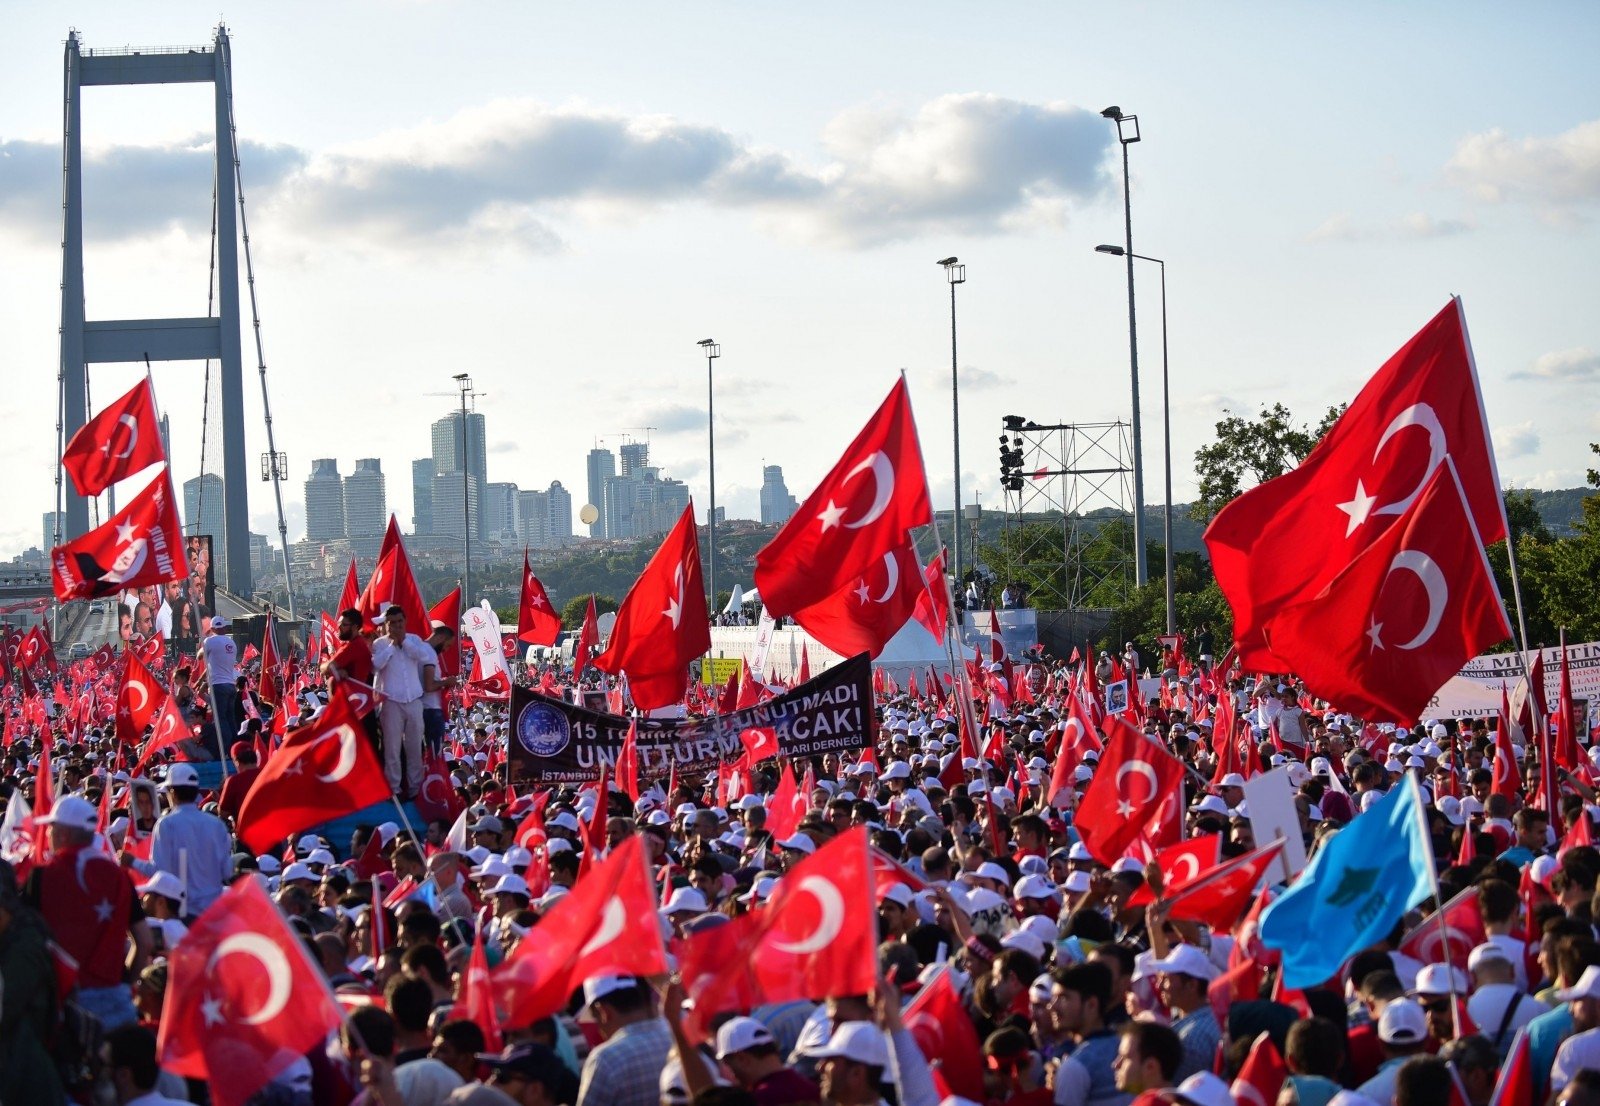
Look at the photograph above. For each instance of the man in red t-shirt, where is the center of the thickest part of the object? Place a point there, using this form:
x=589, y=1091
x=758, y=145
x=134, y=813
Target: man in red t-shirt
x=88, y=902
x=354, y=661
x=238, y=784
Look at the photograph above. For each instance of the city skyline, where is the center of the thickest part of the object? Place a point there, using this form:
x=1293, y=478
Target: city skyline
x=547, y=195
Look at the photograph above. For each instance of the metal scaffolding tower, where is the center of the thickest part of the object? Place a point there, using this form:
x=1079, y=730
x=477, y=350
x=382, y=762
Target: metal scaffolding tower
x=1068, y=492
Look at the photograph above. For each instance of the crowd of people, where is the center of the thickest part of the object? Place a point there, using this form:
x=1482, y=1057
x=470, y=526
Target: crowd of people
x=1075, y=984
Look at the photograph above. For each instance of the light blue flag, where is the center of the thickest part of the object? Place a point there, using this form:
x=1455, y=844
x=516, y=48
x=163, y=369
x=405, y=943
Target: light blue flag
x=1355, y=889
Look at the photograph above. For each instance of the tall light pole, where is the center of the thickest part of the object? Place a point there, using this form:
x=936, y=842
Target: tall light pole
x=955, y=274
x=464, y=382
x=712, y=352
x=1166, y=434
x=1127, y=134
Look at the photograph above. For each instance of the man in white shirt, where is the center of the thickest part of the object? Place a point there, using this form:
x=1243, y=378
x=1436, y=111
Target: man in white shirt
x=403, y=665
x=222, y=673
x=1498, y=1006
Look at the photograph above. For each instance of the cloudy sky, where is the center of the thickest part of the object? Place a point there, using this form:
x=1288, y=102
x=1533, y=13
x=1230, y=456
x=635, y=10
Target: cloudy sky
x=561, y=199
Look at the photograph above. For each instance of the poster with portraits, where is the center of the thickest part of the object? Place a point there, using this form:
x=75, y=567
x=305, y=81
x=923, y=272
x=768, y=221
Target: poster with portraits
x=177, y=609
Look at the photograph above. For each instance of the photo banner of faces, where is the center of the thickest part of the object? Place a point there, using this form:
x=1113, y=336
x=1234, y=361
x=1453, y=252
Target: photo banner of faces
x=178, y=609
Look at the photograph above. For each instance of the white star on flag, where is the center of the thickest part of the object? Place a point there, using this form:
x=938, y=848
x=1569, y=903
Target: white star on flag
x=1358, y=507
x=832, y=515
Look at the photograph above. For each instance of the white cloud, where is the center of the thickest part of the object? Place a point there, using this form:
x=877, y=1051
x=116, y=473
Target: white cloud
x=520, y=174
x=1342, y=227
x=1520, y=440
x=1580, y=365
x=1556, y=173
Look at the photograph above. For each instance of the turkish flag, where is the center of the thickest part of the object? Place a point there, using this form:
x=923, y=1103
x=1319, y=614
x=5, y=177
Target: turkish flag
x=35, y=649
x=358, y=695
x=787, y=806
x=863, y=615
x=137, y=700
x=606, y=925
x=1219, y=897
x=122, y=439
x=170, y=729
x=350, y=595
x=325, y=769
x=1284, y=541
x=815, y=938
x=760, y=743
x=628, y=764
x=863, y=508
x=1462, y=930
x=267, y=689
x=945, y=1034
x=393, y=584
x=1181, y=865
x=933, y=604
x=139, y=545
x=477, y=996
x=448, y=611
x=1403, y=617
x=588, y=638
x=662, y=625
x=537, y=621
x=1077, y=739
x=244, y=1000
x=1115, y=813
x=1262, y=1075
x=1515, y=1086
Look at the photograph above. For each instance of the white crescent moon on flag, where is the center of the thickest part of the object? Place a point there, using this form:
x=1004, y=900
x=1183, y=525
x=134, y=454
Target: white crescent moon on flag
x=832, y=904
x=892, y=564
x=1418, y=414
x=882, y=487
x=272, y=961
x=1184, y=869
x=144, y=694
x=1142, y=769
x=346, y=736
x=133, y=435
x=1433, y=582
x=612, y=921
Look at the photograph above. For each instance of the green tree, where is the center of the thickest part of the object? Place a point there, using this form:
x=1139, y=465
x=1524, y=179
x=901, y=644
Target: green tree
x=1246, y=452
x=572, y=614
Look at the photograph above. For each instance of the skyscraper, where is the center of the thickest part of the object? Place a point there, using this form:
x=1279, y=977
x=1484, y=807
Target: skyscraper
x=51, y=538
x=776, y=502
x=635, y=457
x=502, y=513
x=447, y=506
x=454, y=452
x=366, y=503
x=559, y=515
x=422, y=474
x=324, y=501
x=602, y=467
x=534, y=507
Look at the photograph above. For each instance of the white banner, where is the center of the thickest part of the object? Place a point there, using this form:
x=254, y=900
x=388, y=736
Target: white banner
x=483, y=627
x=764, y=630
x=1474, y=692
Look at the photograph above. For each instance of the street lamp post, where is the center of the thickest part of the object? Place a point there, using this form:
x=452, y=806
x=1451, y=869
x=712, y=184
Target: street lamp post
x=1127, y=134
x=464, y=382
x=712, y=352
x=955, y=274
x=1166, y=435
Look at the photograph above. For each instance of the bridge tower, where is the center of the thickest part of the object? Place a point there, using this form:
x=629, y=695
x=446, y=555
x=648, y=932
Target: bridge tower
x=85, y=342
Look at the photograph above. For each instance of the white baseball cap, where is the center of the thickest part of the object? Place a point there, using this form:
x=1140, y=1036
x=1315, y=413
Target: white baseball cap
x=739, y=1034
x=862, y=1042
x=162, y=883
x=1404, y=1023
x=686, y=900
x=74, y=813
x=598, y=987
x=1186, y=960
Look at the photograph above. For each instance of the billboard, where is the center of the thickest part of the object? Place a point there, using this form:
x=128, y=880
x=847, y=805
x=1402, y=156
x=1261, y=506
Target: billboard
x=177, y=609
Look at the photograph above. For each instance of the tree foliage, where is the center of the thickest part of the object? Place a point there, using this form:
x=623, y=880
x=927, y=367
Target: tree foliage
x=572, y=614
x=1246, y=452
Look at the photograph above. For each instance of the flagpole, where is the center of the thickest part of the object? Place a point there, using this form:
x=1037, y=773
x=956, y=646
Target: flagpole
x=1438, y=897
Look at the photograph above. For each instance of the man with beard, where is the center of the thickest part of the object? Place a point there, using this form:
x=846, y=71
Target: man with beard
x=353, y=661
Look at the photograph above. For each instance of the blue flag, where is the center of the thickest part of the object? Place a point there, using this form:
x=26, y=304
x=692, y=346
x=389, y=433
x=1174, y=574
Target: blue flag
x=1355, y=889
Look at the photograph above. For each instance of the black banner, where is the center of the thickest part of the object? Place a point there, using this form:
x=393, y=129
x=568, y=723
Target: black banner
x=553, y=741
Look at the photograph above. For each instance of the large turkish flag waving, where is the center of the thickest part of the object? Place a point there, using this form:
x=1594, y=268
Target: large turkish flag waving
x=862, y=616
x=814, y=939
x=138, y=699
x=1285, y=540
x=1128, y=795
x=139, y=545
x=863, y=508
x=606, y=925
x=662, y=625
x=122, y=439
x=244, y=1000
x=393, y=583
x=537, y=620
x=1403, y=617
x=325, y=769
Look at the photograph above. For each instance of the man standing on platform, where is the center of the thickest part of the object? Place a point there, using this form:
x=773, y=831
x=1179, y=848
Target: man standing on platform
x=403, y=665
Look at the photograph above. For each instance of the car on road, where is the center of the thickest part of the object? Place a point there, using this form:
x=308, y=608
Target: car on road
x=79, y=651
